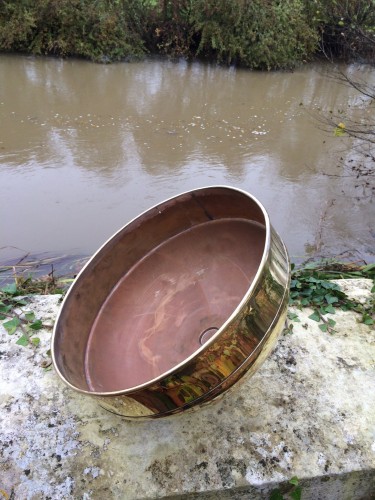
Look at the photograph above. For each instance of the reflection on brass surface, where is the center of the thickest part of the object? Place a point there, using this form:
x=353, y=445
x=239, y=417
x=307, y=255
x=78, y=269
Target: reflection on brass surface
x=176, y=307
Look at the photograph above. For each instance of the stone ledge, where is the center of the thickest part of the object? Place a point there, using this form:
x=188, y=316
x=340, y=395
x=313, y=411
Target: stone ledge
x=308, y=412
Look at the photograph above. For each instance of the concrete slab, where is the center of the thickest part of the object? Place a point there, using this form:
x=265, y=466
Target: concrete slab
x=308, y=412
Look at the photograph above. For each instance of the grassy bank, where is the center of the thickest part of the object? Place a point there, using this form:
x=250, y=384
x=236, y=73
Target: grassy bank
x=262, y=34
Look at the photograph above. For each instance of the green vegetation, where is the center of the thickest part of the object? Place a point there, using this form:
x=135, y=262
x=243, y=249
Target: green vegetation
x=14, y=313
x=291, y=490
x=15, y=318
x=263, y=34
x=347, y=27
x=312, y=286
x=99, y=30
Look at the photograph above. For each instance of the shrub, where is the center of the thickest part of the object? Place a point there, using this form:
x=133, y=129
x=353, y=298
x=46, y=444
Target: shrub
x=261, y=34
x=346, y=27
x=102, y=30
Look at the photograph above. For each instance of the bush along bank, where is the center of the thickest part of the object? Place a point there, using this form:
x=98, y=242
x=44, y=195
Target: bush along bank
x=261, y=34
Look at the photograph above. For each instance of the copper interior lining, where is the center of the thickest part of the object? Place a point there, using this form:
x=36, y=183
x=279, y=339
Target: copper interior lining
x=171, y=302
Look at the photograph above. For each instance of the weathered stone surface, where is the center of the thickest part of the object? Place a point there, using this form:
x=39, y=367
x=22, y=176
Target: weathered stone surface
x=308, y=412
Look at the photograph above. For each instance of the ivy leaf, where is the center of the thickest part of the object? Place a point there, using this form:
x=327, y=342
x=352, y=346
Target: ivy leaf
x=368, y=320
x=10, y=289
x=37, y=325
x=30, y=316
x=323, y=327
x=11, y=325
x=18, y=302
x=24, y=341
x=293, y=317
x=294, y=481
x=331, y=299
x=4, y=310
x=330, y=309
x=296, y=494
x=35, y=341
x=315, y=316
x=331, y=322
x=276, y=495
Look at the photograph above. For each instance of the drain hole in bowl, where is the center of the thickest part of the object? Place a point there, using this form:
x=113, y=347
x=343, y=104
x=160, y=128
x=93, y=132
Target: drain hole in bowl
x=207, y=334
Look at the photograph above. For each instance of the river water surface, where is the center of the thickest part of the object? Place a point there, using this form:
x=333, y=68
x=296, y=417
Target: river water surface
x=86, y=147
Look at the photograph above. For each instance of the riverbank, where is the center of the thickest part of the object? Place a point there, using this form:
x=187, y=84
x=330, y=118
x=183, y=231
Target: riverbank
x=302, y=424
x=259, y=34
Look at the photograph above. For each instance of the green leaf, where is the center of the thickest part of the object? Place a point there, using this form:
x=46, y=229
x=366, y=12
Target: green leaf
x=369, y=267
x=313, y=280
x=296, y=494
x=318, y=299
x=10, y=289
x=24, y=341
x=368, y=320
x=373, y=289
x=323, y=327
x=30, y=316
x=11, y=325
x=19, y=302
x=276, y=495
x=328, y=285
x=4, y=309
x=294, y=481
x=35, y=341
x=293, y=317
x=331, y=322
x=37, y=325
x=315, y=316
x=331, y=299
x=330, y=309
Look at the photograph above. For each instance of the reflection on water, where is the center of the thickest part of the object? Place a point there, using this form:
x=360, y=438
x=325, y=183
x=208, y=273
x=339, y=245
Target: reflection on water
x=86, y=147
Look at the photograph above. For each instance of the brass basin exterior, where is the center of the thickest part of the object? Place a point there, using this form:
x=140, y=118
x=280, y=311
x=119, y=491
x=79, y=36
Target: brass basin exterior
x=234, y=348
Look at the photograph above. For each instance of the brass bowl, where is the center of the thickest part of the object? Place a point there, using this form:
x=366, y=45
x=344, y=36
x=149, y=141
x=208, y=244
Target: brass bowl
x=175, y=307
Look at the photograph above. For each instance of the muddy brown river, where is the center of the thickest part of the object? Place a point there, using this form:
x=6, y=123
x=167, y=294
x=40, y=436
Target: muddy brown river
x=84, y=148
